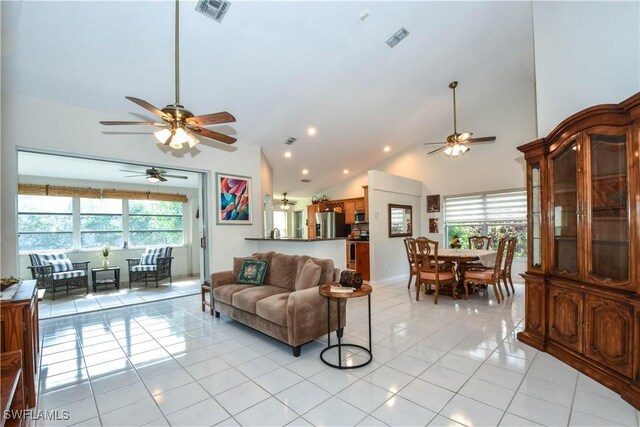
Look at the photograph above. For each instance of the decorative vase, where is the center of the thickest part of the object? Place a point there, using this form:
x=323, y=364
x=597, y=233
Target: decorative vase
x=105, y=262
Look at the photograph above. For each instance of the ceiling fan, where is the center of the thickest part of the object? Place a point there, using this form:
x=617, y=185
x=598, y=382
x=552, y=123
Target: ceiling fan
x=178, y=123
x=153, y=175
x=457, y=142
x=285, y=203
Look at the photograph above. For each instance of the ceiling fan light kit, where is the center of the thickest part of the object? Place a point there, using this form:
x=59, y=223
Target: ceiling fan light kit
x=180, y=124
x=456, y=144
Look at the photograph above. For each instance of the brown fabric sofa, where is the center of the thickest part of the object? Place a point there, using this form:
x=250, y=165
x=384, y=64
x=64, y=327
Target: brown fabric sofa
x=287, y=306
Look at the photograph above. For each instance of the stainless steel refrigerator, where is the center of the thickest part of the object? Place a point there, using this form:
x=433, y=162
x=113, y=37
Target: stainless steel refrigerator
x=330, y=225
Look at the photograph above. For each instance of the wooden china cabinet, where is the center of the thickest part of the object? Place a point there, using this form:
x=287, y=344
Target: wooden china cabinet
x=583, y=271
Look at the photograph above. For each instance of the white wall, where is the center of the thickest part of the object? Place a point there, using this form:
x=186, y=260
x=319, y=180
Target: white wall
x=76, y=130
x=266, y=187
x=587, y=53
x=387, y=254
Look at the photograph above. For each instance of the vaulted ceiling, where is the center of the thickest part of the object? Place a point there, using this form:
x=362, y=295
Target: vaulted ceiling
x=281, y=67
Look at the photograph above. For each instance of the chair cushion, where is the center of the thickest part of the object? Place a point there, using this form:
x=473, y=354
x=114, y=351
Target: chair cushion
x=60, y=265
x=480, y=275
x=283, y=271
x=144, y=268
x=274, y=308
x=308, y=275
x=158, y=252
x=225, y=293
x=442, y=276
x=253, y=272
x=40, y=259
x=69, y=274
x=247, y=299
x=149, y=259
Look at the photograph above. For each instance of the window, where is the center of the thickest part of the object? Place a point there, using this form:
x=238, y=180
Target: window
x=280, y=222
x=45, y=222
x=100, y=223
x=493, y=214
x=155, y=223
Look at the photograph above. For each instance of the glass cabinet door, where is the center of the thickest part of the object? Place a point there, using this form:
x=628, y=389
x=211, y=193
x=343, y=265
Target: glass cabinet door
x=564, y=175
x=535, y=217
x=608, y=231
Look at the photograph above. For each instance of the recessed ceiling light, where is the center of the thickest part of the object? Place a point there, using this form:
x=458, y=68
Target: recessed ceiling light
x=346, y=171
x=387, y=149
x=311, y=131
x=305, y=171
x=287, y=154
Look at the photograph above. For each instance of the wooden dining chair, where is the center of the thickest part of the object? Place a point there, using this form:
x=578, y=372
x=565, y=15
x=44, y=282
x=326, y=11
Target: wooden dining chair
x=431, y=270
x=505, y=273
x=487, y=277
x=480, y=242
x=413, y=268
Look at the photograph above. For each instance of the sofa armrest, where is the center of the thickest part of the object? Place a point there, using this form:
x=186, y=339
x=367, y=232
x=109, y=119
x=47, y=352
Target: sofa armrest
x=307, y=315
x=221, y=278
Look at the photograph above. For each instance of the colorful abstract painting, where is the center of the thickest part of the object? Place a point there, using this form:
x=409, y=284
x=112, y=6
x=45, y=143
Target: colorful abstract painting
x=234, y=198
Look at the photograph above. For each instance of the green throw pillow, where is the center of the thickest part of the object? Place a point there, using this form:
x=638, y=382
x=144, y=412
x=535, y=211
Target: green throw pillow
x=253, y=271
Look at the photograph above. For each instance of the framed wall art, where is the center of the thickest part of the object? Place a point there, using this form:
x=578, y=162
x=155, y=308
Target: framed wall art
x=434, y=225
x=433, y=203
x=234, y=199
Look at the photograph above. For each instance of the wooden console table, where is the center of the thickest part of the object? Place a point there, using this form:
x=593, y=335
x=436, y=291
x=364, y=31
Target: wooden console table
x=19, y=331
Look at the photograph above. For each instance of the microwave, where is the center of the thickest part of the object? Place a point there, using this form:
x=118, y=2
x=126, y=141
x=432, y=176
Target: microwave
x=359, y=218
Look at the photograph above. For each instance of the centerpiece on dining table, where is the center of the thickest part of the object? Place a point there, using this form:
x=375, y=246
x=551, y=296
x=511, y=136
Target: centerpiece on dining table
x=455, y=242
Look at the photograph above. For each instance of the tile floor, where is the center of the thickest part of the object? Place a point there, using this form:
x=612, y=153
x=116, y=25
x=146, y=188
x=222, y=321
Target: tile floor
x=77, y=301
x=457, y=363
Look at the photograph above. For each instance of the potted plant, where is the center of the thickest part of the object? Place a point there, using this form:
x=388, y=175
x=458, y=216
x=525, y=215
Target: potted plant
x=106, y=250
x=455, y=242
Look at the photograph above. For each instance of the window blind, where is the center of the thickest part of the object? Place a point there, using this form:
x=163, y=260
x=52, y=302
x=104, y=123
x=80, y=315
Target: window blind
x=493, y=207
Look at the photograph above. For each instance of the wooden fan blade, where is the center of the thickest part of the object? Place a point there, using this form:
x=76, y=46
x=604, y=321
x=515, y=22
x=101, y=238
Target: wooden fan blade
x=211, y=119
x=175, y=176
x=133, y=176
x=144, y=104
x=127, y=170
x=168, y=141
x=162, y=178
x=433, y=143
x=482, y=139
x=207, y=133
x=436, y=150
x=121, y=123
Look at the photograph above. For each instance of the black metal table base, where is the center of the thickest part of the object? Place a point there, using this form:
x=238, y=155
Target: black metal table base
x=342, y=345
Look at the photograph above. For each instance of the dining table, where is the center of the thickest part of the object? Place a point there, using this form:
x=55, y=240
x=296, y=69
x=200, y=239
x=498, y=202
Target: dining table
x=463, y=256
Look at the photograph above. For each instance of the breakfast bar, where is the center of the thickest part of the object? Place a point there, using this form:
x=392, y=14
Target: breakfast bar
x=331, y=248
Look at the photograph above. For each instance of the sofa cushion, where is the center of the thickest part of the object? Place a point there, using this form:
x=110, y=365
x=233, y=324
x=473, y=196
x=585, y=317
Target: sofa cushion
x=225, y=293
x=253, y=271
x=283, y=270
x=60, y=265
x=248, y=298
x=237, y=265
x=308, y=275
x=326, y=265
x=274, y=308
x=267, y=256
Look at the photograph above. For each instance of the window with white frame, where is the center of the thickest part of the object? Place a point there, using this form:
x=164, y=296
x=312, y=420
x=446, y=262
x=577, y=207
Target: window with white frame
x=70, y=223
x=101, y=223
x=45, y=222
x=155, y=223
x=499, y=214
x=280, y=219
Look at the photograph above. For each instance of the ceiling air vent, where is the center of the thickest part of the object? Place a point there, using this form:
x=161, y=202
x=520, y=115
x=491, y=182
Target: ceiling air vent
x=214, y=9
x=397, y=37
x=290, y=140
x=305, y=180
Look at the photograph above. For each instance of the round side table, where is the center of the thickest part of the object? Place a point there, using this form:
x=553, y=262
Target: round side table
x=325, y=291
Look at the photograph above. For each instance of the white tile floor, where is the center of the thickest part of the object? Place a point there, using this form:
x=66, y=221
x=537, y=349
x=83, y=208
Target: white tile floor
x=77, y=301
x=457, y=363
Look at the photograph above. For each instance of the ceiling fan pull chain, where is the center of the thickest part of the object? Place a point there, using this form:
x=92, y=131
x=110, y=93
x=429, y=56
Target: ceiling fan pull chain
x=177, y=52
x=455, y=119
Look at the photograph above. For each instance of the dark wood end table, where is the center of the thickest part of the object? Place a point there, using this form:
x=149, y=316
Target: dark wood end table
x=115, y=281
x=325, y=291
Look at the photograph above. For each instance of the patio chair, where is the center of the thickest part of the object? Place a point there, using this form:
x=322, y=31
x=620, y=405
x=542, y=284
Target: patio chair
x=53, y=271
x=155, y=264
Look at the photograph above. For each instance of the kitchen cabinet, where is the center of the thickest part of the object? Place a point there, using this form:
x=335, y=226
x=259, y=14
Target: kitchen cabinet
x=358, y=257
x=19, y=331
x=582, y=301
x=366, y=202
x=311, y=221
x=349, y=211
x=360, y=205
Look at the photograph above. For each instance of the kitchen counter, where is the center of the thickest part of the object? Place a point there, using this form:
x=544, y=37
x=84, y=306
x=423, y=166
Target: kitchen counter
x=318, y=248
